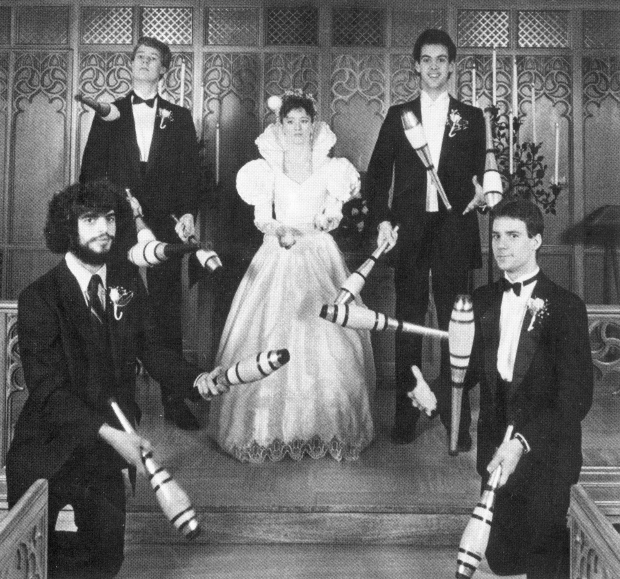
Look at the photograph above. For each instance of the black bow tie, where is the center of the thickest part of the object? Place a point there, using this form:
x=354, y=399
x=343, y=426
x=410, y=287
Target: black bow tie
x=136, y=100
x=516, y=287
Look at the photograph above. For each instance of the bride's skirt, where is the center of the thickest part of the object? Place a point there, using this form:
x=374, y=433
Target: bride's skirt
x=318, y=403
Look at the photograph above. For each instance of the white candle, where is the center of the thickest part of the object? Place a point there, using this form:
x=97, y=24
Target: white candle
x=510, y=145
x=474, y=97
x=534, y=137
x=515, y=88
x=182, y=92
x=217, y=152
x=557, y=153
x=494, y=73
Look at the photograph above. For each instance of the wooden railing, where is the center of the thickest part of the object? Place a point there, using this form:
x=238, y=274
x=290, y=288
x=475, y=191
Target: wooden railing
x=23, y=536
x=595, y=543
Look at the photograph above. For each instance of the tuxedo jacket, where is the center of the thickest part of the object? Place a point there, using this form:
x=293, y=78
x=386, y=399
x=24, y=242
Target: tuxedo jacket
x=67, y=400
x=551, y=390
x=172, y=181
x=395, y=165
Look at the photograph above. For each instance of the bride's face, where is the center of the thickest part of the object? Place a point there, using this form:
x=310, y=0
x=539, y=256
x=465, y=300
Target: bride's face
x=297, y=127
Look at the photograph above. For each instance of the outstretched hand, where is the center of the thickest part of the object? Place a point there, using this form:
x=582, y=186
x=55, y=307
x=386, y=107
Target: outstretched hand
x=478, y=199
x=422, y=396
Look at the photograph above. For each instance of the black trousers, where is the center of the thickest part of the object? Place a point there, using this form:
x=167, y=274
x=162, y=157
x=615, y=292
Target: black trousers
x=165, y=290
x=412, y=295
x=529, y=533
x=97, y=495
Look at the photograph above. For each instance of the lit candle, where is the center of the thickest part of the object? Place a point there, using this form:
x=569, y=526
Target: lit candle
x=515, y=88
x=494, y=73
x=534, y=139
x=510, y=145
x=557, y=153
x=474, y=97
x=217, y=152
x=182, y=92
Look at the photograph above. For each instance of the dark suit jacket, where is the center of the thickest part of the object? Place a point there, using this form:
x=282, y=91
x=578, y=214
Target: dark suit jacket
x=551, y=391
x=67, y=403
x=172, y=183
x=395, y=163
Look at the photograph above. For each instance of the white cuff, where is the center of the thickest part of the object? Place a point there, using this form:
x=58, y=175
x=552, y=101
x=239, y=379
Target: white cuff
x=524, y=443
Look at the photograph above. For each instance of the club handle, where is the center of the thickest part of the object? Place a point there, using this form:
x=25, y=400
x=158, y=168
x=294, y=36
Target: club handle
x=121, y=416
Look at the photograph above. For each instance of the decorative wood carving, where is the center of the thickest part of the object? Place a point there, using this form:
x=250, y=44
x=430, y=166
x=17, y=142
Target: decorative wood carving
x=601, y=80
x=172, y=79
x=40, y=73
x=404, y=82
x=604, y=326
x=551, y=77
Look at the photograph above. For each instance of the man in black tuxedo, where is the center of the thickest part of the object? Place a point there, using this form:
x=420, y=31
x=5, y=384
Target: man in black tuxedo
x=430, y=239
x=81, y=327
x=151, y=148
x=531, y=356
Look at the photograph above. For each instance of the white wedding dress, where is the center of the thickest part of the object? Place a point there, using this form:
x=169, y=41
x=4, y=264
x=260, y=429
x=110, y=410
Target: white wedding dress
x=320, y=402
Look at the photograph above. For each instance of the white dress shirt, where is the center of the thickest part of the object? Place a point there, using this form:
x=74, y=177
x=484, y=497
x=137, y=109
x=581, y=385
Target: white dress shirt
x=434, y=117
x=144, y=121
x=83, y=277
x=510, y=323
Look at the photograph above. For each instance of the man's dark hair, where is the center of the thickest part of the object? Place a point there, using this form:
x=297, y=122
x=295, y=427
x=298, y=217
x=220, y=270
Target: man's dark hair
x=99, y=197
x=292, y=102
x=162, y=47
x=434, y=36
x=523, y=210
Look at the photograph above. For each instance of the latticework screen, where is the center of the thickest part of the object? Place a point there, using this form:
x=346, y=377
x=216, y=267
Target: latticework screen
x=296, y=26
x=483, y=28
x=5, y=25
x=543, y=28
x=107, y=25
x=231, y=26
x=407, y=26
x=43, y=25
x=170, y=25
x=601, y=29
x=358, y=27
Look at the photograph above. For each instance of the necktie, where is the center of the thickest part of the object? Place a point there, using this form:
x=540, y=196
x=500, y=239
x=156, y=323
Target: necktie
x=96, y=308
x=136, y=100
x=516, y=287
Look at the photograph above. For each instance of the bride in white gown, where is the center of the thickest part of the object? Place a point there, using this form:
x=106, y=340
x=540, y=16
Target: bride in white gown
x=319, y=403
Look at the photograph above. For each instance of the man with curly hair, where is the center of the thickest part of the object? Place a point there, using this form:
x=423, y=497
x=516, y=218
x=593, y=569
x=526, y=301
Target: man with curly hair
x=151, y=148
x=79, y=348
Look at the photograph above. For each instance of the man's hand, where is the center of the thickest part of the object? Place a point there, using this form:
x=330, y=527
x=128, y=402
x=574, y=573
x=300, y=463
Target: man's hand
x=207, y=386
x=478, y=200
x=387, y=233
x=508, y=455
x=185, y=227
x=128, y=444
x=286, y=236
x=422, y=396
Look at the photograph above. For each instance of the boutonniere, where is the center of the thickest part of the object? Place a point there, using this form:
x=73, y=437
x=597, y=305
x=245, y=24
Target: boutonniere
x=538, y=308
x=456, y=122
x=119, y=297
x=165, y=116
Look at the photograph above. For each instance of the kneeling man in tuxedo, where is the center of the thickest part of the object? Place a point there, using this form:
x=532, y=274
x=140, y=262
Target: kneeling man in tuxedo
x=532, y=358
x=81, y=327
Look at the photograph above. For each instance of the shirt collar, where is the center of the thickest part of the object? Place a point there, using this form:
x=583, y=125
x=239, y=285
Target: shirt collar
x=82, y=274
x=442, y=100
x=524, y=277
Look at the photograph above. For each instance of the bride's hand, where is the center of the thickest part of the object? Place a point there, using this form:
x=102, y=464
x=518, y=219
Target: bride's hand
x=286, y=237
x=323, y=222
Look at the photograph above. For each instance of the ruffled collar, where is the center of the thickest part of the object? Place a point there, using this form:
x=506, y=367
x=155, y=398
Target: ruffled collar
x=270, y=147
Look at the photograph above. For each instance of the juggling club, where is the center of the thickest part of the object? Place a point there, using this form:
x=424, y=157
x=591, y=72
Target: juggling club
x=492, y=181
x=414, y=131
x=460, y=341
x=359, y=318
x=150, y=253
x=475, y=538
x=254, y=368
x=172, y=499
x=206, y=256
x=101, y=108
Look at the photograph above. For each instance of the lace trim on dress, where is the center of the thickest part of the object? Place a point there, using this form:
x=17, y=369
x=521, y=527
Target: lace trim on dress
x=315, y=448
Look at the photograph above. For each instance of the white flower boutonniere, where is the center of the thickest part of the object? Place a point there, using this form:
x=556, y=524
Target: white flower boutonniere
x=119, y=297
x=456, y=122
x=165, y=117
x=538, y=308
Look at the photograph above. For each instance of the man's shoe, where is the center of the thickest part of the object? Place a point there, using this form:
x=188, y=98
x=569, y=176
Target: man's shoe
x=401, y=435
x=180, y=415
x=405, y=420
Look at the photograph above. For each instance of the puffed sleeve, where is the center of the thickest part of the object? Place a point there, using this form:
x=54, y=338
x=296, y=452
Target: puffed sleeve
x=343, y=183
x=255, y=185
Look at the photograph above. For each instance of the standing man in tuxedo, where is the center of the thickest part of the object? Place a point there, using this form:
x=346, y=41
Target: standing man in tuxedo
x=532, y=358
x=79, y=342
x=430, y=239
x=151, y=148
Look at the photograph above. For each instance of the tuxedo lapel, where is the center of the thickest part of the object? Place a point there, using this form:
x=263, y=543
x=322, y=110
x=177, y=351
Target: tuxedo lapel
x=446, y=144
x=490, y=333
x=529, y=338
x=128, y=134
x=159, y=133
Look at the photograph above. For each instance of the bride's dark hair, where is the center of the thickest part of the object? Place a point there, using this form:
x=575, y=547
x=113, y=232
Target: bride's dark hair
x=293, y=101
